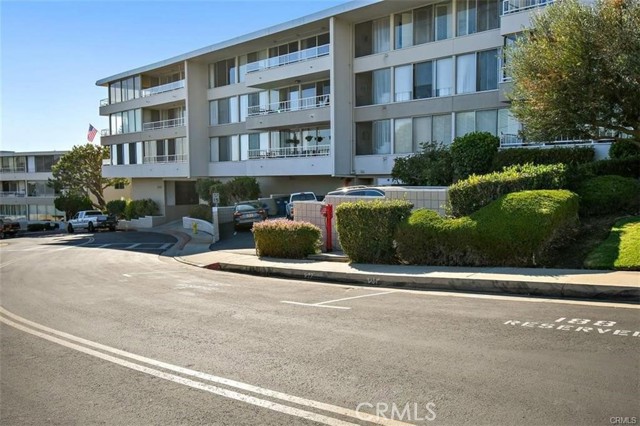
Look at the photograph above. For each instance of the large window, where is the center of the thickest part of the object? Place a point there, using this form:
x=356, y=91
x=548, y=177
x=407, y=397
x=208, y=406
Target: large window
x=126, y=121
x=424, y=25
x=45, y=162
x=435, y=128
x=224, y=111
x=373, y=137
x=124, y=90
x=477, y=15
x=225, y=148
x=39, y=188
x=373, y=87
x=423, y=80
x=402, y=141
x=373, y=37
x=477, y=72
x=498, y=122
x=224, y=72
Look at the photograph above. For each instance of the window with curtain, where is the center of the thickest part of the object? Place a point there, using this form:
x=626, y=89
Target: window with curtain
x=421, y=131
x=403, y=83
x=487, y=121
x=423, y=25
x=465, y=123
x=382, y=86
x=444, y=77
x=466, y=73
x=225, y=72
x=382, y=137
x=381, y=35
x=466, y=17
x=403, y=139
x=443, y=21
x=487, y=75
x=364, y=138
x=477, y=15
x=403, y=23
x=441, y=129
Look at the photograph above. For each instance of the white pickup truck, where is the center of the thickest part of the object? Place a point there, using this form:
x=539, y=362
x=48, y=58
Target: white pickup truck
x=91, y=220
x=296, y=197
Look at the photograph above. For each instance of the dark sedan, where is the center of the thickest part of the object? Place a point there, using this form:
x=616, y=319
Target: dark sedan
x=246, y=214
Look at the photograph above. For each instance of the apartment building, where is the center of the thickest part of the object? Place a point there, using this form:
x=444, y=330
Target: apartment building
x=309, y=104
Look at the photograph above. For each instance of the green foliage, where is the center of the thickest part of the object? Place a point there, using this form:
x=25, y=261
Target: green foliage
x=609, y=194
x=473, y=154
x=627, y=167
x=201, y=211
x=624, y=148
x=238, y=189
x=572, y=71
x=79, y=171
x=469, y=195
x=116, y=208
x=366, y=229
x=516, y=230
x=621, y=250
x=514, y=156
x=286, y=239
x=72, y=202
x=429, y=167
x=139, y=208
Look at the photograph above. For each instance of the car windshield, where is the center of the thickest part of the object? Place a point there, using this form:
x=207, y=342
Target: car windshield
x=303, y=197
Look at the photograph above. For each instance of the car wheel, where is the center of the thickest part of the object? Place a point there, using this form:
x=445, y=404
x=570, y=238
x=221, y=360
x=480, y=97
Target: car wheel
x=70, y=228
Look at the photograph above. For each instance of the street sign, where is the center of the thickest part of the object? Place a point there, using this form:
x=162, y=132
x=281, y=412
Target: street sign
x=215, y=198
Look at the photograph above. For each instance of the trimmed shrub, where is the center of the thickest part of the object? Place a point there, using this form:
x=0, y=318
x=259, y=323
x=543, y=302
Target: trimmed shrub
x=473, y=154
x=609, y=194
x=628, y=167
x=286, y=239
x=201, y=211
x=139, y=208
x=431, y=166
x=518, y=229
x=116, y=208
x=623, y=149
x=366, y=229
x=469, y=195
x=514, y=156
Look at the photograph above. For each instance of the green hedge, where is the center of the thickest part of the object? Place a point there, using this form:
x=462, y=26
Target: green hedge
x=286, y=239
x=627, y=166
x=609, y=194
x=117, y=208
x=201, y=211
x=140, y=208
x=475, y=192
x=624, y=148
x=473, y=154
x=518, y=229
x=513, y=156
x=366, y=229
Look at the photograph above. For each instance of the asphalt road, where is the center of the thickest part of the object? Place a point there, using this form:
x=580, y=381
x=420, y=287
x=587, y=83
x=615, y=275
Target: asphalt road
x=95, y=329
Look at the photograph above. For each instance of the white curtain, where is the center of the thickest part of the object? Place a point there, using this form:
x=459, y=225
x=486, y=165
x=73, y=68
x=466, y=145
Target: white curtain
x=465, y=123
x=402, y=139
x=404, y=83
x=444, y=71
x=381, y=33
x=382, y=86
x=466, y=73
x=382, y=137
x=442, y=128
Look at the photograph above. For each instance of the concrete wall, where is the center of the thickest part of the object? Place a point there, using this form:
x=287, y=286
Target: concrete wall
x=198, y=118
x=149, y=188
x=342, y=142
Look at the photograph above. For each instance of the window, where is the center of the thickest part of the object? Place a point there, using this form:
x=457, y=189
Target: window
x=126, y=121
x=442, y=129
x=372, y=37
x=477, y=15
x=186, y=193
x=224, y=111
x=465, y=123
x=132, y=153
x=444, y=77
x=373, y=137
x=403, y=142
x=427, y=129
x=423, y=79
x=498, y=122
x=124, y=90
x=120, y=154
x=45, y=162
x=224, y=72
x=283, y=54
x=466, y=70
x=39, y=189
x=477, y=72
x=403, y=23
x=373, y=87
x=403, y=83
x=118, y=185
x=225, y=148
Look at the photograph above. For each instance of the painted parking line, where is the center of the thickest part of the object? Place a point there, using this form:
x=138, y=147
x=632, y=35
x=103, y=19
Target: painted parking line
x=137, y=363
x=132, y=246
x=327, y=305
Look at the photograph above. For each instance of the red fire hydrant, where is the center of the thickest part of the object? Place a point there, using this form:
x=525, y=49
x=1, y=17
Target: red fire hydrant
x=327, y=212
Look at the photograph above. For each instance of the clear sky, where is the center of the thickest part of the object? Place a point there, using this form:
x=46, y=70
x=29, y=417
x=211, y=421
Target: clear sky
x=53, y=52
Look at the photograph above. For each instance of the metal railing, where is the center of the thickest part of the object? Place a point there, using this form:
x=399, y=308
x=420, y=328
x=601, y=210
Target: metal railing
x=510, y=140
x=163, y=124
x=13, y=193
x=164, y=159
x=105, y=132
x=162, y=88
x=104, y=102
x=290, y=58
x=17, y=169
x=288, y=152
x=512, y=6
x=291, y=105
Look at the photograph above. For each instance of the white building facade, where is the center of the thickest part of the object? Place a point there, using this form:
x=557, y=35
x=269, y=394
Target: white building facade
x=309, y=104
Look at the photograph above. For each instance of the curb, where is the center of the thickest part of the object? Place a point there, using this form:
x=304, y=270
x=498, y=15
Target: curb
x=510, y=287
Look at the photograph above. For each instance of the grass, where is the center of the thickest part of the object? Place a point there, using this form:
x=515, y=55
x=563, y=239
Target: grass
x=621, y=250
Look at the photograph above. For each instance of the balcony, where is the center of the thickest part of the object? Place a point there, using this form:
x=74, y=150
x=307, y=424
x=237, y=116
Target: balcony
x=16, y=169
x=513, y=6
x=156, y=90
x=13, y=193
x=166, y=159
x=288, y=152
x=290, y=58
x=291, y=105
x=163, y=124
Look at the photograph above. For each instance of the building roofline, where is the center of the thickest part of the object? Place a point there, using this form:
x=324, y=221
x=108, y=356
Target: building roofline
x=317, y=16
x=28, y=153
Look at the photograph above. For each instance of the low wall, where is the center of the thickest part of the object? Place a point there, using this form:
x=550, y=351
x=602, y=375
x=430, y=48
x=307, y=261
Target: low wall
x=143, y=222
x=203, y=225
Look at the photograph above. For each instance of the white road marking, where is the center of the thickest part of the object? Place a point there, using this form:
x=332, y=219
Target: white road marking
x=165, y=246
x=132, y=246
x=205, y=376
x=326, y=304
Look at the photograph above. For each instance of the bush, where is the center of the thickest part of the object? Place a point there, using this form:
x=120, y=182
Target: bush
x=139, y=208
x=116, y=208
x=366, y=229
x=473, y=154
x=609, y=194
x=469, y=195
x=514, y=156
x=623, y=149
x=286, y=239
x=628, y=167
x=516, y=230
x=431, y=166
x=201, y=211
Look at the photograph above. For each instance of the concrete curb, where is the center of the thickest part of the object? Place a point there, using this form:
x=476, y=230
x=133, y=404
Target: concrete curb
x=512, y=287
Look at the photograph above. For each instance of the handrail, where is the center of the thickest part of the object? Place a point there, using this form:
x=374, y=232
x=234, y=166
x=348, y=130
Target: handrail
x=290, y=105
x=17, y=169
x=512, y=6
x=289, y=58
x=163, y=124
x=104, y=102
x=164, y=159
x=13, y=193
x=287, y=152
x=162, y=88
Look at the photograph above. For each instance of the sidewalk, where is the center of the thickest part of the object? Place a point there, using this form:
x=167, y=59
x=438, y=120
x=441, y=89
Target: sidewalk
x=619, y=286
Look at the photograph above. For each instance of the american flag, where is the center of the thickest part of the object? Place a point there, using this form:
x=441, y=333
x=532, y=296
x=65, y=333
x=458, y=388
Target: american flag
x=92, y=133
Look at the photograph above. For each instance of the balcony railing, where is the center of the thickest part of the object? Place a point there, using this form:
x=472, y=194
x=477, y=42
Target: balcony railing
x=510, y=140
x=104, y=102
x=163, y=124
x=161, y=89
x=16, y=169
x=291, y=105
x=278, y=61
x=288, y=152
x=512, y=6
x=13, y=193
x=164, y=159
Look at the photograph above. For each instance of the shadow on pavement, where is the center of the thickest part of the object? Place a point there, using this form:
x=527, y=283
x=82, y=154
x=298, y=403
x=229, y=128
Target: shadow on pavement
x=232, y=240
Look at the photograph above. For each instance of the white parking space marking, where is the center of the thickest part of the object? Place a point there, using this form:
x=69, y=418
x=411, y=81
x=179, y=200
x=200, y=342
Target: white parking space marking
x=165, y=246
x=326, y=304
x=132, y=246
x=24, y=324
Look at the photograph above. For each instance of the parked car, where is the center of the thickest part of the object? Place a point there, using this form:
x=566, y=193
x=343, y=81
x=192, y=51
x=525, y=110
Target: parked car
x=8, y=227
x=298, y=196
x=246, y=214
x=358, y=191
x=91, y=220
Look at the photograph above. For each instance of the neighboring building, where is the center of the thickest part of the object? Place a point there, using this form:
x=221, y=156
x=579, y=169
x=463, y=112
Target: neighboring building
x=308, y=104
x=25, y=195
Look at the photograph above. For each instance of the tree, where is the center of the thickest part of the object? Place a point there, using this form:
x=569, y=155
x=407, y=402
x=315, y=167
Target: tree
x=80, y=172
x=577, y=71
x=473, y=153
x=72, y=202
x=238, y=189
x=430, y=166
